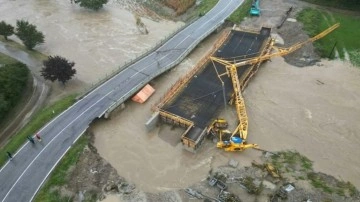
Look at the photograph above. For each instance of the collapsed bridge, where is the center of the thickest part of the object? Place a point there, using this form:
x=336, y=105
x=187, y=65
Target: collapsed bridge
x=196, y=100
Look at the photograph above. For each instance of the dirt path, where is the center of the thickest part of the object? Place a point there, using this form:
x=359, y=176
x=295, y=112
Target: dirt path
x=32, y=101
x=98, y=42
x=313, y=110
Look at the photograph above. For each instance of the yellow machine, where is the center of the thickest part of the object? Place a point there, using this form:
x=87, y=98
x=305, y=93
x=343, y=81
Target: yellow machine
x=216, y=126
x=237, y=141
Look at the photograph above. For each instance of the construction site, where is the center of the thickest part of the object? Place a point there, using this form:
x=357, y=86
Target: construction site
x=194, y=102
x=191, y=112
x=241, y=123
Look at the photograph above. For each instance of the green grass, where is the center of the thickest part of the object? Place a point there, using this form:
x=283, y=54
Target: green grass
x=291, y=159
x=347, y=187
x=288, y=161
x=59, y=176
x=347, y=4
x=306, y=163
x=205, y=6
x=345, y=37
x=39, y=120
x=317, y=182
x=240, y=13
x=201, y=9
x=6, y=60
x=301, y=178
x=18, y=46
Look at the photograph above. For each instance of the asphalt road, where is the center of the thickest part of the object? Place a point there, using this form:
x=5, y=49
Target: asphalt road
x=34, y=102
x=21, y=178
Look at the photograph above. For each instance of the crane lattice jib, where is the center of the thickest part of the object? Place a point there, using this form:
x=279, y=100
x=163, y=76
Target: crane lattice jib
x=239, y=103
x=284, y=51
x=239, y=100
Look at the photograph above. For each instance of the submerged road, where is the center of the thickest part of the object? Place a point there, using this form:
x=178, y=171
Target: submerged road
x=21, y=178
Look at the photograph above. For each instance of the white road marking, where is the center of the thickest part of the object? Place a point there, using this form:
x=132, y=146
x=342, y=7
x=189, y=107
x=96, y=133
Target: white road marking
x=110, y=80
x=52, y=168
x=96, y=102
x=139, y=71
x=43, y=149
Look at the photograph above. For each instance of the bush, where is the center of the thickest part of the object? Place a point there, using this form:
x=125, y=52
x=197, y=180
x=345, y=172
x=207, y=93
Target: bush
x=6, y=29
x=28, y=34
x=91, y=4
x=13, y=79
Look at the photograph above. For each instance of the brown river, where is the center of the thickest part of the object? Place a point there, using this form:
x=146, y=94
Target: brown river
x=314, y=110
x=98, y=42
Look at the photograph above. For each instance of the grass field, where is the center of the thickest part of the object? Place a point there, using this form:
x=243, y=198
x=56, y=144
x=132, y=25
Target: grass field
x=39, y=120
x=205, y=6
x=241, y=12
x=236, y=17
x=59, y=175
x=346, y=37
x=344, y=4
x=6, y=60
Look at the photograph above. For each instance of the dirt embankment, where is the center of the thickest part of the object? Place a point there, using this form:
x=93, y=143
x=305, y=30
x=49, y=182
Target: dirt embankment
x=288, y=108
x=312, y=110
x=283, y=176
x=180, y=6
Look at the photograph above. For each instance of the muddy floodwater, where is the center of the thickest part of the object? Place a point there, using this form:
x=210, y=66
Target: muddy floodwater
x=98, y=42
x=155, y=161
x=313, y=110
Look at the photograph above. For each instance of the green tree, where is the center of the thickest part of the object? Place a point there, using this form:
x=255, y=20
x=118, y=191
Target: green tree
x=28, y=34
x=6, y=29
x=13, y=78
x=58, y=68
x=91, y=4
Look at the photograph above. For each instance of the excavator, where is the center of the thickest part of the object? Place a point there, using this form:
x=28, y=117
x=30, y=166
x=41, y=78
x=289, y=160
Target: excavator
x=237, y=140
x=255, y=8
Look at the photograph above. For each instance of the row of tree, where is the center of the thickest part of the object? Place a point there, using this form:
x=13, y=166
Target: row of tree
x=14, y=78
x=28, y=33
x=55, y=68
x=25, y=31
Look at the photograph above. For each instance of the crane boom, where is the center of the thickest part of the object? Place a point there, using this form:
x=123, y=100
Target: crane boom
x=281, y=51
x=239, y=104
x=231, y=70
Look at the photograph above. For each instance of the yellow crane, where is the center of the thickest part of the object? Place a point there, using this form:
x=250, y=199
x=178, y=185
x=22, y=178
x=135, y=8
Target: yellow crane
x=237, y=141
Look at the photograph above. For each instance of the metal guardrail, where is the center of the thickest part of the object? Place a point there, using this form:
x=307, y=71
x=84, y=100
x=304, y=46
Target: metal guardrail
x=134, y=60
x=187, y=77
x=162, y=70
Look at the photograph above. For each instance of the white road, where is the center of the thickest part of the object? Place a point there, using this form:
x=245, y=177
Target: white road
x=22, y=178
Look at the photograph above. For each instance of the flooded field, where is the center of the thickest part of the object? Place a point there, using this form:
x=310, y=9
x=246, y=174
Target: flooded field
x=312, y=110
x=98, y=42
x=154, y=161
